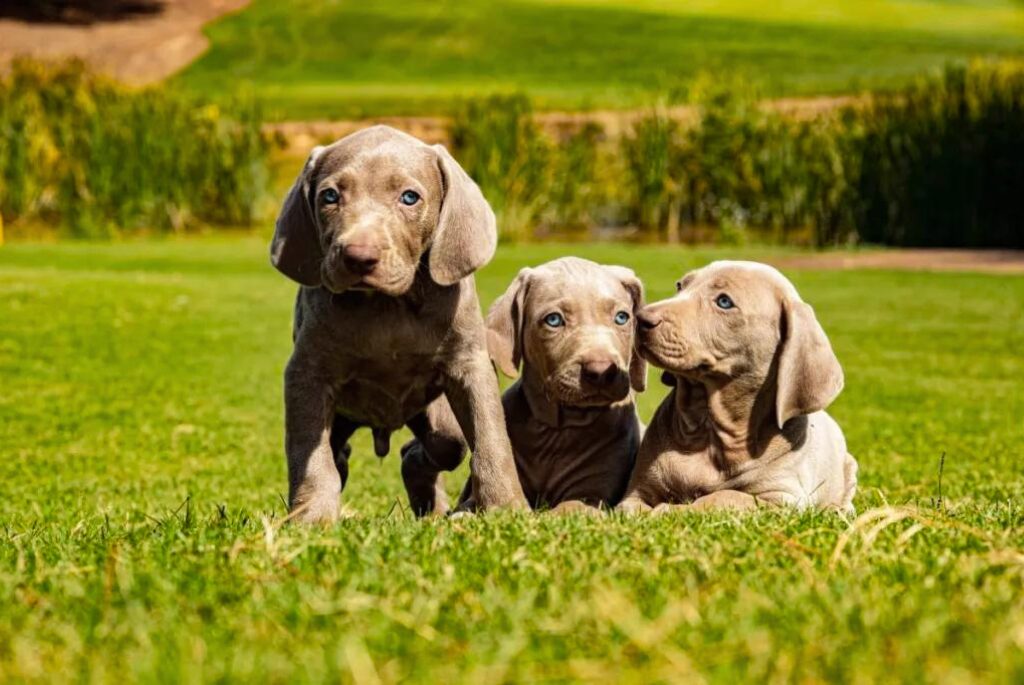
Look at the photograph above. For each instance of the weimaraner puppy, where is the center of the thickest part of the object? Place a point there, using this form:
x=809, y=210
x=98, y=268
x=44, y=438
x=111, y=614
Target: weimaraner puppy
x=384, y=232
x=745, y=423
x=571, y=415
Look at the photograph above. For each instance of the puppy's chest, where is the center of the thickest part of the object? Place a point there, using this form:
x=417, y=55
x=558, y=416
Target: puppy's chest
x=590, y=463
x=698, y=463
x=696, y=467
x=386, y=364
x=389, y=332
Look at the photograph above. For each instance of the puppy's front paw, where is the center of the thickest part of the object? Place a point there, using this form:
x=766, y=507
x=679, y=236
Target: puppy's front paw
x=322, y=513
x=725, y=499
x=633, y=506
x=316, y=506
x=575, y=506
x=667, y=508
x=499, y=496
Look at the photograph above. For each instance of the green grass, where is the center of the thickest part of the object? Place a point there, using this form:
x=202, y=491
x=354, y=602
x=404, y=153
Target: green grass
x=334, y=58
x=142, y=474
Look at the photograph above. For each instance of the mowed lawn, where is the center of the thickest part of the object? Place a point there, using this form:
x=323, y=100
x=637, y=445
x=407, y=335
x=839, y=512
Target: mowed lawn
x=142, y=477
x=337, y=58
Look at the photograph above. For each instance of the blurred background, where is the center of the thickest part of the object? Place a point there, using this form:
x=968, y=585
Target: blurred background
x=889, y=122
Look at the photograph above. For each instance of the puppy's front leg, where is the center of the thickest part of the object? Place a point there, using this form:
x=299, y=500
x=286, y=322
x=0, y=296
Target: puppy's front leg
x=644, y=490
x=314, y=482
x=652, y=479
x=472, y=390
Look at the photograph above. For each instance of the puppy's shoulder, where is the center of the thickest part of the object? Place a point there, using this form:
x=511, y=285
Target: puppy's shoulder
x=824, y=431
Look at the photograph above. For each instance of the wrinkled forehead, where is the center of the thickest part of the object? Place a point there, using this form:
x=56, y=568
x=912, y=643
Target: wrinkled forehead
x=739, y=278
x=577, y=286
x=380, y=159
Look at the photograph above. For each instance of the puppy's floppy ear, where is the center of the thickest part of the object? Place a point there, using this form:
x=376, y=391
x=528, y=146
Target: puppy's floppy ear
x=809, y=376
x=295, y=249
x=505, y=326
x=467, y=232
x=637, y=364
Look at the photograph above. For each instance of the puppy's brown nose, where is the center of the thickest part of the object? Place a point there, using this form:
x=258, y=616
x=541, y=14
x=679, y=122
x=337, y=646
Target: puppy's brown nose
x=599, y=372
x=360, y=259
x=648, y=319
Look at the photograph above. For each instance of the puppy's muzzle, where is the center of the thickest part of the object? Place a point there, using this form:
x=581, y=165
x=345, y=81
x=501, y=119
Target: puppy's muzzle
x=359, y=259
x=648, y=319
x=647, y=322
x=599, y=374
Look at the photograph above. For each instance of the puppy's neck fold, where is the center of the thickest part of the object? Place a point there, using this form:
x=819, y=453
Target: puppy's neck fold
x=734, y=418
x=552, y=413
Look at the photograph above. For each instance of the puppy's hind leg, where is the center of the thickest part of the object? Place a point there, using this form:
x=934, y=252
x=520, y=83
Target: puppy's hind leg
x=341, y=430
x=438, y=446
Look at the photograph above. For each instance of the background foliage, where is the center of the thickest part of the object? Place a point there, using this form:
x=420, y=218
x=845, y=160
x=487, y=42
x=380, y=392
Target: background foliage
x=99, y=159
x=937, y=163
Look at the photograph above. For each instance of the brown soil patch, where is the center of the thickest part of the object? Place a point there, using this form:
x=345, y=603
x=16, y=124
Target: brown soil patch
x=991, y=261
x=137, y=50
x=299, y=136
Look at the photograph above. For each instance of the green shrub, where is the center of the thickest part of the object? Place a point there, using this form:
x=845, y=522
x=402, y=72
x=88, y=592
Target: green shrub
x=500, y=145
x=738, y=167
x=650, y=185
x=577, y=188
x=942, y=162
x=537, y=182
x=99, y=159
x=747, y=167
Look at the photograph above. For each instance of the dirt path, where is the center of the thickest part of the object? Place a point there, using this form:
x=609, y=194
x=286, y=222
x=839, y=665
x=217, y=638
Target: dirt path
x=138, y=50
x=300, y=136
x=989, y=261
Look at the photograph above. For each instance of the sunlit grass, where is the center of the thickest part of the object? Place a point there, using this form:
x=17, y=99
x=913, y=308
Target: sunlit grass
x=340, y=59
x=142, y=473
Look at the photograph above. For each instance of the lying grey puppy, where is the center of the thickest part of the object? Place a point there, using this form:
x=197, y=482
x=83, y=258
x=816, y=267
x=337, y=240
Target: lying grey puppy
x=384, y=232
x=571, y=415
x=753, y=372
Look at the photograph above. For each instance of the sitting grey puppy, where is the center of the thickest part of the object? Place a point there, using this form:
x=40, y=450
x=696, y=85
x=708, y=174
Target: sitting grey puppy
x=571, y=417
x=753, y=372
x=383, y=232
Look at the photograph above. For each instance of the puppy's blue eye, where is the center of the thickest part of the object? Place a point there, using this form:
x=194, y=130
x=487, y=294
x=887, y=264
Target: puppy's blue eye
x=554, y=319
x=622, y=318
x=409, y=198
x=724, y=301
x=330, y=196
